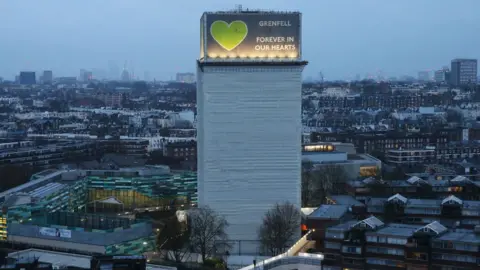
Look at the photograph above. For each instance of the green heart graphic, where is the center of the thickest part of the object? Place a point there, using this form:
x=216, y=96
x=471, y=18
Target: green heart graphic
x=230, y=35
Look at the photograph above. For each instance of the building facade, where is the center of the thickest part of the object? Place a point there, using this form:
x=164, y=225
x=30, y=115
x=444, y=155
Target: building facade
x=47, y=76
x=185, y=77
x=464, y=71
x=442, y=75
x=27, y=77
x=373, y=244
x=249, y=140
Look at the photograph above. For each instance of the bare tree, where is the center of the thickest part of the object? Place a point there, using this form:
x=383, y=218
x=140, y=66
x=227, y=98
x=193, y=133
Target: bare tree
x=321, y=182
x=174, y=239
x=332, y=180
x=279, y=228
x=308, y=180
x=207, y=231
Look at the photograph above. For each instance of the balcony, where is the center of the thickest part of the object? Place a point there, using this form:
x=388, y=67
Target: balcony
x=413, y=246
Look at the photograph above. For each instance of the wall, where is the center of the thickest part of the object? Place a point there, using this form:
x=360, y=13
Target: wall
x=249, y=143
x=296, y=266
x=39, y=242
x=26, y=232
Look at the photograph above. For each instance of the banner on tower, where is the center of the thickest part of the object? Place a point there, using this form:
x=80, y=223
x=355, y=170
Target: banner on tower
x=250, y=35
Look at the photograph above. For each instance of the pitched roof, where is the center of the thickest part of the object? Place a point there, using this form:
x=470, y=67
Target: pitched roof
x=435, y=227
x=111, y=200
x=452, y=199
x=398, y=197
x=371, y=222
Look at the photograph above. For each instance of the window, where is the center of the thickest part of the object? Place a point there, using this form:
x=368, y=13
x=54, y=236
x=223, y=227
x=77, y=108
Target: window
x=333, y=234
x=385, y=262
x=389, y=251
x=332, y=245
x=396, y=241
x=418, y=256
x=454, y=257
x=372, y=239
x=354, y=250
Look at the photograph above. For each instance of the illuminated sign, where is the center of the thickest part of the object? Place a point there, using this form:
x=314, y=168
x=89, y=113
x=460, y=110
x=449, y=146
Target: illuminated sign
x=54, y=232
x=255, y=35
x=319, y=148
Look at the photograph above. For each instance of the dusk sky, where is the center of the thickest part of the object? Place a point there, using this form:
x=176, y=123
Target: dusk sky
x=341, y=38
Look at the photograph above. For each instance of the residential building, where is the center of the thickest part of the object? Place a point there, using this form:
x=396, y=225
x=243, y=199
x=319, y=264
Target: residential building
x=185, y=150
x=27, y=152
x=450, y=211
x=441, y=154
x=372, y=244
x=128, y=146
x=429, y=187
x=27, y=78
x=249, y=134
x=113, y=100
x=47, y=77
x=343, y=155
x=188, y=77
x=403, y=157
x=424, y=76
x=381, y=141
x=464, y=71
x=442, y=75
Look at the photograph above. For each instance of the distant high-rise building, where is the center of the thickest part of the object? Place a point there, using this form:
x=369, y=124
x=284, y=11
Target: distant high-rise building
x=125, y=75
x=424, y=76
x=185, y=77
x=249, y=120
x=82, y=74
x=27, y=77
x=463, y=71
x=146, y=76
x=87, y=76
x=99, y=74
x=47, y=76
x=442, y=75
x=113, y=70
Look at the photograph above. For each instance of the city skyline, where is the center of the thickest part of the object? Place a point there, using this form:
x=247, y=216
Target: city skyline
x=338, y=46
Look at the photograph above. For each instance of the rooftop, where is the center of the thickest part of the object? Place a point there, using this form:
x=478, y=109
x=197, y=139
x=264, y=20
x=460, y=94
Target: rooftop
x=344, y=226
x=461, y=236
x=329, y=212
x=66, y=259
x=31, y=184
x=46, y=190
x=345, y=200
x=395, y=229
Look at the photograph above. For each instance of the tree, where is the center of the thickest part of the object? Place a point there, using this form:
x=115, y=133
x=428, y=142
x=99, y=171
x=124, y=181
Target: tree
x=318, y=183
x=308, y=186
x=279, y=228
x=207, y=231
x=174, y=239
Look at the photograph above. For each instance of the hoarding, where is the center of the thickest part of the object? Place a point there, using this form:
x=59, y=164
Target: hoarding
x=251, y=35
x=54, y=232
